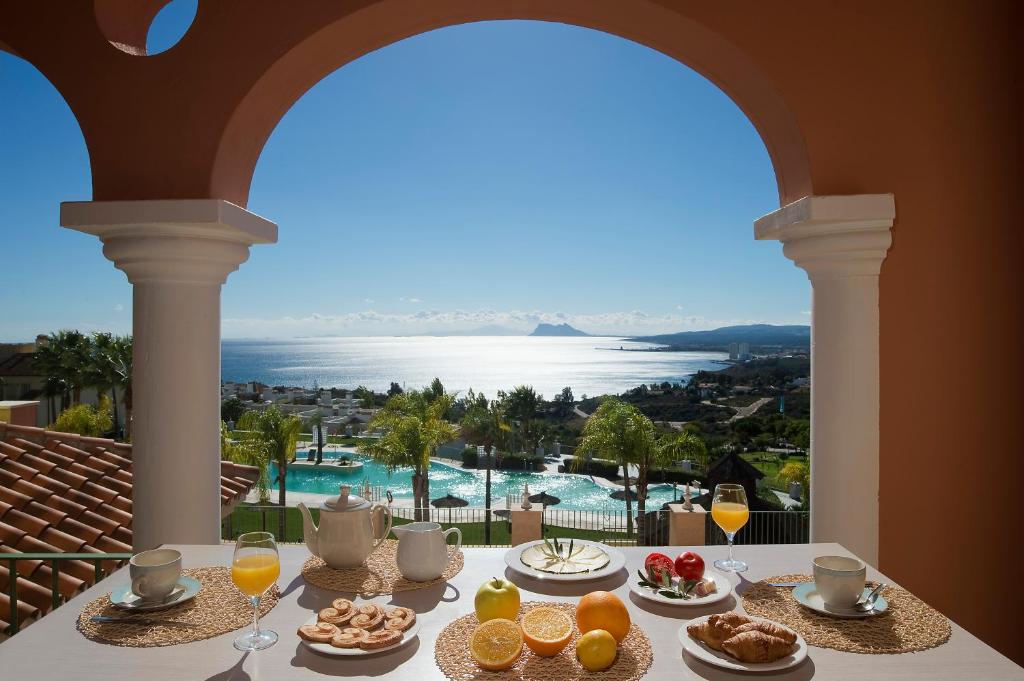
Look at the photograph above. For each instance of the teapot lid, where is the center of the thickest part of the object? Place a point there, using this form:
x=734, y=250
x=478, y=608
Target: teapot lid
x=345, y=501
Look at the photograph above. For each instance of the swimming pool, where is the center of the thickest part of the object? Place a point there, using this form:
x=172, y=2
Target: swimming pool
x=577, y=492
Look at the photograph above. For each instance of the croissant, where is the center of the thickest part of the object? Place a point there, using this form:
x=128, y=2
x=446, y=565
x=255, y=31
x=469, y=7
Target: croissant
x=714, y=630
x=769, y=628
x=756, y=646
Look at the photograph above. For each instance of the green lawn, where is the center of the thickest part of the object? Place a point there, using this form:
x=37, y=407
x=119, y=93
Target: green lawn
x=249, y=519
x=770, y=464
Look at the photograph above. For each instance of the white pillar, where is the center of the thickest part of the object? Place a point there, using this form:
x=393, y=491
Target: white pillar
x=177, y=254
x=841, y=242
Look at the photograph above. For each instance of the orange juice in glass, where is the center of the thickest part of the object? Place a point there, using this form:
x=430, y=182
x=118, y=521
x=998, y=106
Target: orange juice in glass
x=255, y=573
x=255, y=567
x=730, y=512
x=729, y=515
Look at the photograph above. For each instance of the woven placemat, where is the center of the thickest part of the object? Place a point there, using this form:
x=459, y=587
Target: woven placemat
x=217, y=609
x=907, y=626
x=379, y=575
x=451, y=653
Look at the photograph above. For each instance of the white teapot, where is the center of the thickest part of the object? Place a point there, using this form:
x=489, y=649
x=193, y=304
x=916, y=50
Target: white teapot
x=345, y=536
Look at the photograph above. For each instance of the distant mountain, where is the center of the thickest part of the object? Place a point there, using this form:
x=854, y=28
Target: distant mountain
x=557, y=330
x=795, y=336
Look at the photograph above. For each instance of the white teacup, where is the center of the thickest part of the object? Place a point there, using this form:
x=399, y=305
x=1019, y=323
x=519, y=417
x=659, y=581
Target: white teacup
x=839, y=580
x=155, y=573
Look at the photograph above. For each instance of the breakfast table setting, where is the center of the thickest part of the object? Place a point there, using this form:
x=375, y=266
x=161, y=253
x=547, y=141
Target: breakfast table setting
x=355, y=602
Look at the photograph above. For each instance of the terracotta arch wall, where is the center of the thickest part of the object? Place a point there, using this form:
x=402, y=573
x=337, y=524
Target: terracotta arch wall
x=917, y=98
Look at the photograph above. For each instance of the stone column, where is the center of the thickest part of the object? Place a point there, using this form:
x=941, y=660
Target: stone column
x=686, y=528
x=177, y=254
x=841, y=241
x=526, y=526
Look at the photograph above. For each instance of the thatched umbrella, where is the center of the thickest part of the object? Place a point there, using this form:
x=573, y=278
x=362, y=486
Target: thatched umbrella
x=449, y=501
x=620, y=495
x=545, y=499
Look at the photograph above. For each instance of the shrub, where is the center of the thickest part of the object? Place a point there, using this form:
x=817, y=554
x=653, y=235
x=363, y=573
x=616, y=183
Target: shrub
x=85, y=419
x=469, y=457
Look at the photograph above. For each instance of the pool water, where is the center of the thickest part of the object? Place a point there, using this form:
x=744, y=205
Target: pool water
x=577, y=492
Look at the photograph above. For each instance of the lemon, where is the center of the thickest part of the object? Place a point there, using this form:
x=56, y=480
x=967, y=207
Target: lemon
x=496, y=644
x=596, y=650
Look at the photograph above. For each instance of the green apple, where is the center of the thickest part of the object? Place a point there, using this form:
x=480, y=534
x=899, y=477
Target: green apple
x=497, y=599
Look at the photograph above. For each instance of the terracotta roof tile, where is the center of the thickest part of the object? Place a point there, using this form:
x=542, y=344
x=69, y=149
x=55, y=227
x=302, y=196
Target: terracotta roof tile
x=23, y=521
x=61, y=504
x=13, y=497
x=90, y=534
x=68, y=478
x=61, y=492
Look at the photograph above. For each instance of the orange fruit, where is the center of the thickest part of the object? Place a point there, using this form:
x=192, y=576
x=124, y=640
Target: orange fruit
x=496, y=644
x=546, y=631
x=603, y=610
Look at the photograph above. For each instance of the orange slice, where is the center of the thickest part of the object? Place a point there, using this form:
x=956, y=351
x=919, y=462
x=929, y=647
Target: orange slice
x=496, y=644
x=547, y=631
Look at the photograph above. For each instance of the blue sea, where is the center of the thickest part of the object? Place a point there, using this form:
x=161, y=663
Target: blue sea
x=590, y=366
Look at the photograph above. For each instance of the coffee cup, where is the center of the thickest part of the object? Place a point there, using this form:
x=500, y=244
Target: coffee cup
x=839, y=580
x=155, y=573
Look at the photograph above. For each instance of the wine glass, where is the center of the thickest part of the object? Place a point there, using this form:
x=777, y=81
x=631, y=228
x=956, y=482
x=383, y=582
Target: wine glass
x=730, y=512
x=255, y=567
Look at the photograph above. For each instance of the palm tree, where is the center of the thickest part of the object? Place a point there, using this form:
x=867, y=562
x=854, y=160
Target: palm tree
x=110, y=368
x=485, y=425
x=122, y=367
x=413, y=428
x=619, y=432
x=684, y=445
x=521, y=405
x=271, y=435
x=241, y=452
x=48, y=359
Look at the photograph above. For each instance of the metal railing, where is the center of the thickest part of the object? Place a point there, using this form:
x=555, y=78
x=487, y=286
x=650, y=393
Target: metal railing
x=55, y=559
x=765, y=527
x=610, y=527
x=615, y=528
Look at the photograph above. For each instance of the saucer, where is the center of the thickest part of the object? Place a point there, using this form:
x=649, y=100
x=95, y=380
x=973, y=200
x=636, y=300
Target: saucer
x=185, y=590
x=808, y=596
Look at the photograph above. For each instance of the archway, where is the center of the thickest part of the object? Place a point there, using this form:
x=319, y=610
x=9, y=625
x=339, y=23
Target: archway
x=840, y=243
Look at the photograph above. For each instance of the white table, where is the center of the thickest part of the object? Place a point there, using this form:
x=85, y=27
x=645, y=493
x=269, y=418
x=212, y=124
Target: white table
x=53, y=649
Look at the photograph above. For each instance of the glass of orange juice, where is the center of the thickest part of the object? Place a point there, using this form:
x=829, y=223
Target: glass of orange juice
x=730, y=512
x=255, y=567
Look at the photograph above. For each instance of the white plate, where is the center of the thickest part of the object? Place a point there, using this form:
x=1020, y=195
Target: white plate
x=721, y=582
x=185, y=590
x=616, y=561
x=808, y=596
x=328, y=649
x=722, y=659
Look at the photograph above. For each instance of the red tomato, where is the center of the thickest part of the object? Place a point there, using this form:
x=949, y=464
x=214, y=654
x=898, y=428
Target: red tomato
x=689, y=565
x=659, y=563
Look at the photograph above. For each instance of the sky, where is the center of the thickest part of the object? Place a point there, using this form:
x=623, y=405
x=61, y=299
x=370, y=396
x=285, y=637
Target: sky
x=491, y=174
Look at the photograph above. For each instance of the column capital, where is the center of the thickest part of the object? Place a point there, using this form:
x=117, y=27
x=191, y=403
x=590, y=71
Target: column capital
x=189, y=241
x=833, y=236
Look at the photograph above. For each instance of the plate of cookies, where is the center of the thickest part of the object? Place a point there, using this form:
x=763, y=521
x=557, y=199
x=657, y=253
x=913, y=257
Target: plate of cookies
x=348, y=629
x=742, y=643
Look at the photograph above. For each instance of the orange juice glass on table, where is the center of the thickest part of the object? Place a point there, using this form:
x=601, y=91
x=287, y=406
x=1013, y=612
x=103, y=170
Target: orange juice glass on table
x=255, y=567
x=730, y=512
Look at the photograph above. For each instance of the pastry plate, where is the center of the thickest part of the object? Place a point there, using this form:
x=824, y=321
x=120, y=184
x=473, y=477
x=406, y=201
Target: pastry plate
x=722, y=583
x=185, y=590
x=808, y=596
x=722, y=659
x=328, y=649
x=616, y=561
